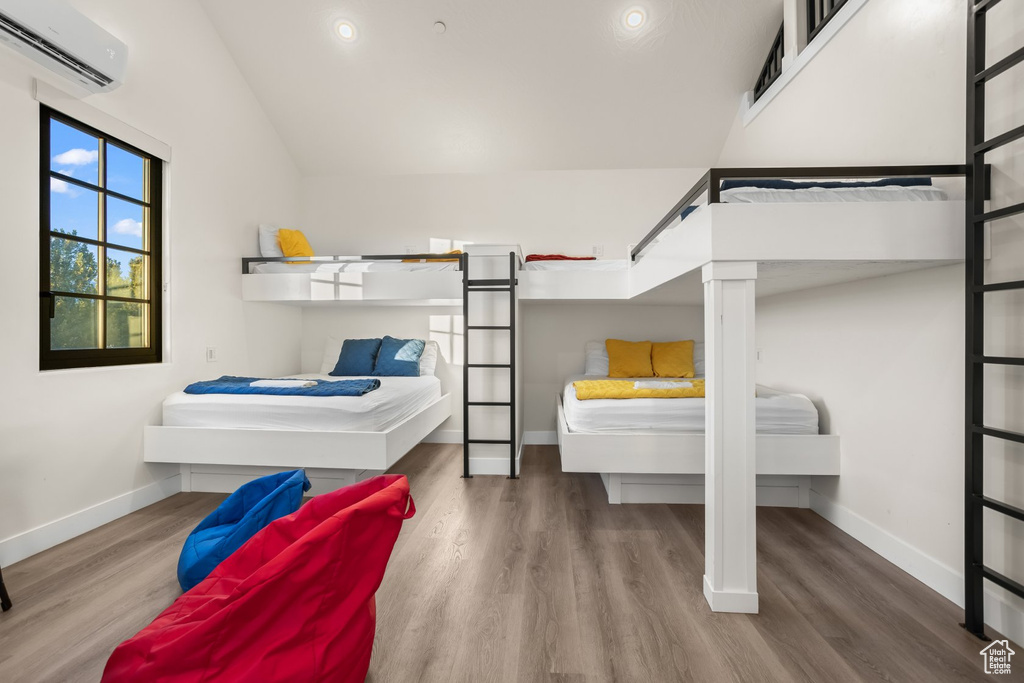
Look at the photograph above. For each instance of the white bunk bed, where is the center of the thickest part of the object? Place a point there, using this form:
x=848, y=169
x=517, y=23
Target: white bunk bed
x=722, y=248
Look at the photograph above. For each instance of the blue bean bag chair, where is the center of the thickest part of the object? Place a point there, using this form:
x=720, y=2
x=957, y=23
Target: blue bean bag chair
x=246, y=511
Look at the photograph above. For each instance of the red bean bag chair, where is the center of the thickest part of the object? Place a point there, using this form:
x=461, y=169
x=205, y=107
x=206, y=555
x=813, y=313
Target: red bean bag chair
x=295, y=603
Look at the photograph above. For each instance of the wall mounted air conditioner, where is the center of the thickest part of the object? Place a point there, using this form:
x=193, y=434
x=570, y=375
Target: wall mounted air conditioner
x=64, y=40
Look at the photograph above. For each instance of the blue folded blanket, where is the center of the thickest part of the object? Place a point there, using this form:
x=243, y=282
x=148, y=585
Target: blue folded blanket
x=775, y=184
x=240, y=385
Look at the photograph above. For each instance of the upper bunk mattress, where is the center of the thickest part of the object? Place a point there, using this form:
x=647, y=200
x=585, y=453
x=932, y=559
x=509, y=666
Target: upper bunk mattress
x=350, y=267
x=760, y=195
x=776, y=413
x=596, y=265
x=397, y=399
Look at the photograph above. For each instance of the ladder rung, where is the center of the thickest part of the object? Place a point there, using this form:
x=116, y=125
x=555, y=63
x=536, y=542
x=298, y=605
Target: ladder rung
x=489, y=403
x=984, y=5
x=1000, y=140
x=999, y=433
x=1000, y=66
x=1002, y=581
x=490, y=289
x=488, y=283
x=488, y=365
x=1000, y=286
x=504, y=441
x=1000, y=506
x=999, y=360
x=488, y=327
x=1004, y=212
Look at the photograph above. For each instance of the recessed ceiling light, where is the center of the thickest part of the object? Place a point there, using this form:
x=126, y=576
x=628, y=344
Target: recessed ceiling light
x=439, y=27
x=347, y=31
x=635, y=18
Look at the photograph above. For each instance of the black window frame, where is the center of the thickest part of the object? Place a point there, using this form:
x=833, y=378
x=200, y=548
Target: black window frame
x=50, y=359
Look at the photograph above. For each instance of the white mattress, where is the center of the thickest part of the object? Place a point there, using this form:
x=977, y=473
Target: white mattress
x=349, y=267
x=755, y=195
x=598, y=265
x=395, y=400
x=777, y=413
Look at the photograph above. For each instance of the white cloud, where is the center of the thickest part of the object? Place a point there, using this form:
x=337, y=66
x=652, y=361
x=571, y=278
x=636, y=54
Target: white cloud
x=77, y=157
x=59, y=186
x=128, y=226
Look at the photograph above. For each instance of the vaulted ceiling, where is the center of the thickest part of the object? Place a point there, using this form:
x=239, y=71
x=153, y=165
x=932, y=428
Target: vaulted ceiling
x=509, y=85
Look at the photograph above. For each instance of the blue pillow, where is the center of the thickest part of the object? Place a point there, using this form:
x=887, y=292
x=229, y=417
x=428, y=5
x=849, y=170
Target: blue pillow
x=357, y=358
x=774, y=184
x=399, y=357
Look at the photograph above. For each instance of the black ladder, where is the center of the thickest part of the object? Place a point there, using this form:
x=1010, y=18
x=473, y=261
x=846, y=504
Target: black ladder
x=471, y=286
x=975, y=431
x=5, y=599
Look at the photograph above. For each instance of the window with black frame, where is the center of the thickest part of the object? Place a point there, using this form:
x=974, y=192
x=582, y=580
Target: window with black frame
x=100, y=218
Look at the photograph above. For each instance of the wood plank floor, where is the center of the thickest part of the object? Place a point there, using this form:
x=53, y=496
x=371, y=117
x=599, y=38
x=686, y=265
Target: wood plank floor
x=531, y=580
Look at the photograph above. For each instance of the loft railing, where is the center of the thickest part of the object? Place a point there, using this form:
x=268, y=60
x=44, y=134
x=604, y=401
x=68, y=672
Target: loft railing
x=248, y=261
x=710, y=185
x=772, y=66
x=819, y=13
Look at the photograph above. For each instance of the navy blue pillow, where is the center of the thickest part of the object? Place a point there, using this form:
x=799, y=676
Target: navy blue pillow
x=773, y=184
x=399, y=357
x=357, y=359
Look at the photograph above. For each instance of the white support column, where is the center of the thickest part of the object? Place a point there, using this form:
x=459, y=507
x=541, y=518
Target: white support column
x=730, y=538
x=794, y=18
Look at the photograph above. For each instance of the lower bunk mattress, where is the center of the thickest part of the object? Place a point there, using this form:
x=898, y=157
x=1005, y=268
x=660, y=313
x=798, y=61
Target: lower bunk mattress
x=776, y=413
x=397, y=398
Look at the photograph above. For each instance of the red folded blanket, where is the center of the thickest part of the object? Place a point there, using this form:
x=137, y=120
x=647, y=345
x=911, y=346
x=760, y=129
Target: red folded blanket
x=557, y=257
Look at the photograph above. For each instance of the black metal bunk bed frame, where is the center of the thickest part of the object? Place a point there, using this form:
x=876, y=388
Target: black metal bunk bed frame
x=469, y=286
x=975, y=429
x=710, y=184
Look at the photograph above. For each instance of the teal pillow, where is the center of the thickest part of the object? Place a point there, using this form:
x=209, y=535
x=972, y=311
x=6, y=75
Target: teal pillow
x=357, y=358
x=399, y=357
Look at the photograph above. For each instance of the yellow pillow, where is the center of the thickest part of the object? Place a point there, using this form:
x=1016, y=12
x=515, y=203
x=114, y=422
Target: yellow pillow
x=294, y=243
x=672, y=359
x=629, y=359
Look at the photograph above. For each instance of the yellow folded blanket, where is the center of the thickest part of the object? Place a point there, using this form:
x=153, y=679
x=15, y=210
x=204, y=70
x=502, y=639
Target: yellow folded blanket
x=610, y=388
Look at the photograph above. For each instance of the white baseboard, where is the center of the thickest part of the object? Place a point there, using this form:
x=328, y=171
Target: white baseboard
x=943, y=579
x=28, y=543
x=549, y=438
x=739, y=602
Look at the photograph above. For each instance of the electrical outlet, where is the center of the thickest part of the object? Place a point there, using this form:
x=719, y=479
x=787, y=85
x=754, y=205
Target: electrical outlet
x=211, y=354
x=597, y=250
x=760, y=354
x=410, y=249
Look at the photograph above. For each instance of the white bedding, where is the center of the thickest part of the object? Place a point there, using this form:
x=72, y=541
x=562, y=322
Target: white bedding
x=395, y=400
x=890, y=193
x=598, y=265
x=777, y=413
x=350, y=267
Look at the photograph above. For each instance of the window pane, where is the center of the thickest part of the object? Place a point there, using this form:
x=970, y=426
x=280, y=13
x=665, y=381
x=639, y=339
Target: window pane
x=74, y=153
x=126, y=274
x=74, y=210
x=127, y=325
x=124, y=223
x=74, y=266
x=75, y=325
x=125, y=172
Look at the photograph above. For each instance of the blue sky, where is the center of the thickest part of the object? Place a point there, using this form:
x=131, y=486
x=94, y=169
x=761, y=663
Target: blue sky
x=76, y=154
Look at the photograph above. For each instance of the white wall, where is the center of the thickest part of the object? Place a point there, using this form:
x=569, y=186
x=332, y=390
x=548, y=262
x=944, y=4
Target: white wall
x=883, y=358
x=72, y=439
x=545, y=212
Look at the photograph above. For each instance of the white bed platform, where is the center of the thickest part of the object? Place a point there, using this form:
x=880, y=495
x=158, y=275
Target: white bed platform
x=667, y=467
x=207, y=451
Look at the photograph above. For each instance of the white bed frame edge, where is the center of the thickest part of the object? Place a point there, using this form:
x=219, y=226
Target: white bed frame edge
x=294, y=448
x=615, y=454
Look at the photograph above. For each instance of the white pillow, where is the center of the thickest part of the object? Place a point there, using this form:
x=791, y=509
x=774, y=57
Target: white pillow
x=596, y=359
x=332, y=350
x=269, y=246
x=428, y=361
